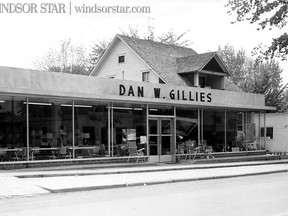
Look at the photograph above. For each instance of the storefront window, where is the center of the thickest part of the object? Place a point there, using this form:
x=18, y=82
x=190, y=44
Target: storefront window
x=250, y=127
x=50, y=127
x=234, y=133
x=214, y=130
x=240, y=131
x=129, y=128
x=13, y=122
x=91, y=129
x=186, y=129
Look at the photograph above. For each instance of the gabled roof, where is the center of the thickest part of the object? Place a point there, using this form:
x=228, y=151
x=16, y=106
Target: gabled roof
x=169, y=61
x=193, y=63
x=160, y=57
x=201, y=62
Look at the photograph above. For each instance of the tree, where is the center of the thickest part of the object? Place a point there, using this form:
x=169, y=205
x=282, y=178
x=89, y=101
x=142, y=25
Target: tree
x=169, y=37
x=66, y=58
x=266, y=14
x=262, y=77
x=96, y=53
x=237, y=63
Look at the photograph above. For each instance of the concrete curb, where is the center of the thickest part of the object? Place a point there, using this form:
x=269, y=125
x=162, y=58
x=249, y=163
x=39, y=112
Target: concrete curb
x=144, y=176
x=160, y=169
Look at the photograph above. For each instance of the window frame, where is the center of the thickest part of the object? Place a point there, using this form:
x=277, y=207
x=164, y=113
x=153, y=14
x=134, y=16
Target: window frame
x=146, y=74
x=121, y=59
x=269, y=132
x=202, y=78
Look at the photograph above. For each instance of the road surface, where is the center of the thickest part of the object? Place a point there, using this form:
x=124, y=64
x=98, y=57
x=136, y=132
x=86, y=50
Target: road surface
x=253, y=195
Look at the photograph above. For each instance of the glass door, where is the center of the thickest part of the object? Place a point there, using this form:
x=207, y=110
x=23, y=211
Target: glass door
x=160, y=139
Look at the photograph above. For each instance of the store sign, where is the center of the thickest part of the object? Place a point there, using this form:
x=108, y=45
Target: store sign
x=30, y=82
x=165, y=93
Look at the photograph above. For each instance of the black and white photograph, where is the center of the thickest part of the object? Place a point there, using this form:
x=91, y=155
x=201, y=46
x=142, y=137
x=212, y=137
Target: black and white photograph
x=142, y=107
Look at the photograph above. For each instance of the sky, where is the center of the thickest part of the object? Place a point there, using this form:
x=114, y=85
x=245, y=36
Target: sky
x=27, y=37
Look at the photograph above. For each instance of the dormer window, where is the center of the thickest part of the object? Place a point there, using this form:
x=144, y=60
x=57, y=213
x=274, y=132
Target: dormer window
x=121, y=58
x=202, y=81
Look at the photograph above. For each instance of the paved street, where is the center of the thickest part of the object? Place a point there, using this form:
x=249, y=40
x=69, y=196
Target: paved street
x=254, y=195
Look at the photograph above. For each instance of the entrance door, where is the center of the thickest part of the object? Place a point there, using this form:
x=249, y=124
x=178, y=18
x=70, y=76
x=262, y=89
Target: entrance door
x=161, y=139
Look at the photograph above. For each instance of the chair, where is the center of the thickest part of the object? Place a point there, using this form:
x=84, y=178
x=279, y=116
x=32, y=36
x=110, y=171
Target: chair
x=121, y=150
x=133, y=152
x=95, y=151
x=35, y=154
x=141, y=152
x=209, y=151
x=3, y=155
x=62, y=153
x=15, y=155
x=192, y=151
x=22, y=154
x=102, y=150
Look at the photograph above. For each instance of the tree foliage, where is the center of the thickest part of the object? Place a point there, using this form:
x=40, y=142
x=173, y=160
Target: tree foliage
x=169, y=37
x=96, y=53
x=255, y=77
x=265, y=14
x=66, y=58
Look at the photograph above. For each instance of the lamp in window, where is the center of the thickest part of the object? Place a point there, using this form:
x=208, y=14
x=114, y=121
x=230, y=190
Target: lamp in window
x=85, y=137
x=49, y=136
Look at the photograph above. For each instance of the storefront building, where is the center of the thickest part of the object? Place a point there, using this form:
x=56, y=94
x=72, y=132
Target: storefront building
x=44, y=111
x=48, y=116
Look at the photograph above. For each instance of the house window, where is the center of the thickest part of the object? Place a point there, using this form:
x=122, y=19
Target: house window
x=202, y=81
x=269, y=132
x=121, y=59
x=145, y=76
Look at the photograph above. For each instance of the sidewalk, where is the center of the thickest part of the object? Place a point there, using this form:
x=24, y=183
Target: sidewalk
x=31, y=182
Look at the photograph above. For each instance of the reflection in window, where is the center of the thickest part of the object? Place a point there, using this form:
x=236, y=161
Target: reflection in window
x=240, y=130
x=12, y=122
x=91, y=128
x=186, y=128
x=129, y=128
x=50, y=126
x=214, y=129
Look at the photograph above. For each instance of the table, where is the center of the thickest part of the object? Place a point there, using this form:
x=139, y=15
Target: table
x=88, y=148
x=14, y=151
x=53, y=149
x=34, y=149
